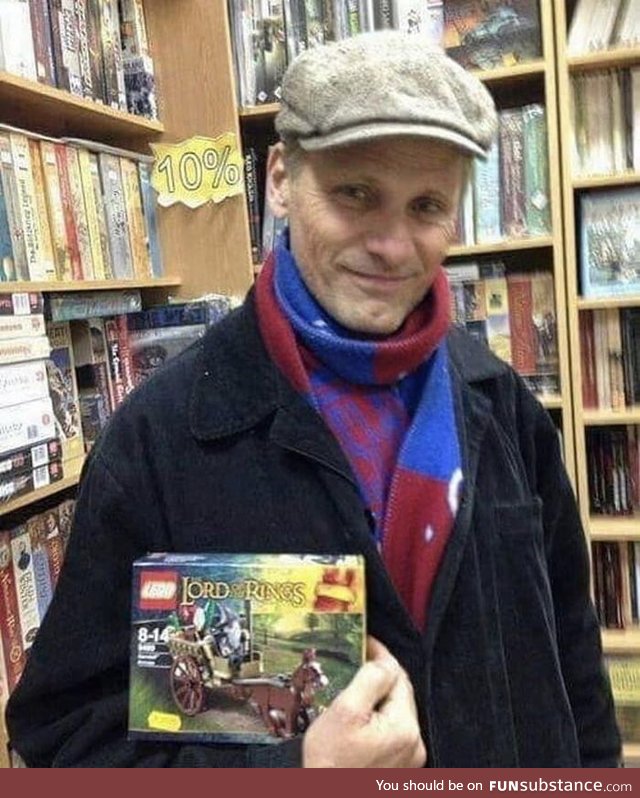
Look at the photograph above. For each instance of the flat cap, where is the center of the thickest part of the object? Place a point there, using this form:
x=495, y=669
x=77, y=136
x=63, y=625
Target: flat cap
x=384, y=83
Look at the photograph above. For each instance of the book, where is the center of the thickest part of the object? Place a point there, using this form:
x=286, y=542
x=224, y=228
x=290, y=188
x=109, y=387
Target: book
x=483, y=35
x=23, y=382
x=55, y=209
x=21, y=484
x=152, y=348
x=20, y=269
x=22, y=326
x=17, y=54
x=64, y=390
x=487, y=199
x=92, y=365
x=25, y=582
x=610, y=242
x=13, y=648
x=14, y=350
x=21, y=303
x=536, y=171
x=140, y=86
x=30, y=457
x=135, y=219
x=148, y=196
x=512, y=172
x=88, y=304
x=268, y=641
x=42, y=41
x=72, y=267
x=78, y=211
x=38, y=537
x=116, y=213
x=93, y=207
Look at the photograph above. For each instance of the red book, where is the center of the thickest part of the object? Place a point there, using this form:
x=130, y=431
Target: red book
x=14, y=654
x=128, y=376
x=523, y=338
x=588, y=360
x=55, y=544
x=67, y=205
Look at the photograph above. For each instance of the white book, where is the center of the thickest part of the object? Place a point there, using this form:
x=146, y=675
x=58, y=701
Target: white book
x=578, y=38
x=23, y=382
x=26, y=424
x=17, y=55
x=16, y=350
x=634, y=75
x=25, y=582
x=30, y=326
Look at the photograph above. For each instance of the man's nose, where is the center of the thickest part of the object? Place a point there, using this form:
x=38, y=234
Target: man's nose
x=392, y=242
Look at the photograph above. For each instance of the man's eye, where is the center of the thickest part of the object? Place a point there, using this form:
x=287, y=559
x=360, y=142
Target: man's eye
x=354, y=194
x=428, y=207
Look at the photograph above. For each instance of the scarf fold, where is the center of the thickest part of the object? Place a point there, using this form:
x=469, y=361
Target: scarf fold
x=390, y=405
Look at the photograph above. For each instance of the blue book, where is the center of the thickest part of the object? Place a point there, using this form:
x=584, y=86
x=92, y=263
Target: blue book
x=149, y=209
x=7, y=264
x=487, y=198
x=610, y=242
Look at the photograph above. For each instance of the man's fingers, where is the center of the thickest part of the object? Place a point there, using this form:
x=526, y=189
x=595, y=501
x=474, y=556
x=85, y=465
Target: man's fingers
x=371, y=685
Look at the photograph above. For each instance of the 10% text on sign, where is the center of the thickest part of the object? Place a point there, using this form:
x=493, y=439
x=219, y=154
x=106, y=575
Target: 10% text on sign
x=197, y=170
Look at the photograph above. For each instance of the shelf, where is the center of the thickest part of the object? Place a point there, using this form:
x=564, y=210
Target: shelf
x=630, y=751
x=54, y=112
x=624, y=641
x=89, y=285
x=623, y=527
x=259, y=111
x=601, y=302
x=605, y=181
x=604, y=60
x=507, y=74
x=507, y=245
x=550, y=401
x=74, y=467
x=596, y=418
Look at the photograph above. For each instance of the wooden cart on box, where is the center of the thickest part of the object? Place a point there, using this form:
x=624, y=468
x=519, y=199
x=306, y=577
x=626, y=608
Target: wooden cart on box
x=284, y=701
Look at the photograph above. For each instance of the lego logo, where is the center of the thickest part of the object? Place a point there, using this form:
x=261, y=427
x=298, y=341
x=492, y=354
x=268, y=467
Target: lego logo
x=158, y=590
x=152, y=591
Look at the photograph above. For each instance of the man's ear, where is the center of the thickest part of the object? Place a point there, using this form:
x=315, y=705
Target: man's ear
x=277, y=182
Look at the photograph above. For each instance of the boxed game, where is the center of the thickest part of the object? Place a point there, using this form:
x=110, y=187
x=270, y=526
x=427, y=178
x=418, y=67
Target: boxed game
x=241, y=648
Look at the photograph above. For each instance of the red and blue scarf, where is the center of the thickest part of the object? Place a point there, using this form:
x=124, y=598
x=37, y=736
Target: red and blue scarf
x=390, y=405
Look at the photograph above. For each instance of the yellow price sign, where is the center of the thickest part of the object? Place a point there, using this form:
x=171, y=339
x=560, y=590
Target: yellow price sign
x=197, y=170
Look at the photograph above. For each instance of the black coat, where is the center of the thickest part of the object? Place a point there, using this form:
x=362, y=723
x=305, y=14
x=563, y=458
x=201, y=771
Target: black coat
x=217, y=453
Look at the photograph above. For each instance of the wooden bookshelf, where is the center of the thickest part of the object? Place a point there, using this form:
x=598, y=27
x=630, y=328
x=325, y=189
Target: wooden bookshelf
x=54, y=112
x=500, y=247
x=606, y=59
x=598, y=303
x=607, y=527
x=621, y=641
x=90, y=285
x=597, y=418
x=606, y=181
x=71, y=477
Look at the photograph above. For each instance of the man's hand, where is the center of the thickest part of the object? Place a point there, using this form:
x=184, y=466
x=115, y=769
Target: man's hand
x=372, y=723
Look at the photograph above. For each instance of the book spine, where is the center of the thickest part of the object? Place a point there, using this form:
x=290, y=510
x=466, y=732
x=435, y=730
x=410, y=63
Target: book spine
x=523, y=345
x=116, y=214
x=53, y=197
x=133, y=28
x=84, y=58
x=75, y=270
x=545, y=325
x=486, y=198
x=7, y=262
x=148, y=195
x=588, y=362
x=93, y=223
x=23, y=382
x=70, y=44
x=42, y=41
x=536, y=171
x=94, y=41
x=103, y=233
x=17, y=349
x=37, y=267
x=383, y=18
x=498, y=325
x=140, y=86
x=25, y=582
x=29, y=458
x=120, y=98
x=135, y=219
x=29, y=481
x=14, y=216
x=64, y=390
x=28, y=326
x=55, y=546
x=42, y=573
x=79, y=213
x=112, y=338
x=45, y=240
x=17, y=54
x=126, y=358
x=9, y=616
x=512, y=168
x=66, y=307
x=21, y=303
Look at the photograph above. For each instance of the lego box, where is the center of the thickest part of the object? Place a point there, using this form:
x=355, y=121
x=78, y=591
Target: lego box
x=241, y=648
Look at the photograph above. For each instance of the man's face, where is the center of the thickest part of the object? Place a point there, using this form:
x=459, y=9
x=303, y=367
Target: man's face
x=370, y=224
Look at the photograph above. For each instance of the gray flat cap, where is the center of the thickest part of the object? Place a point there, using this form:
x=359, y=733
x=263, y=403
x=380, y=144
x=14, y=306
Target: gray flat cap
x=383, y=84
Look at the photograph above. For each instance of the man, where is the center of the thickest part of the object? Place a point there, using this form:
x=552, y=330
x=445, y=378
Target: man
x=337, y=412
